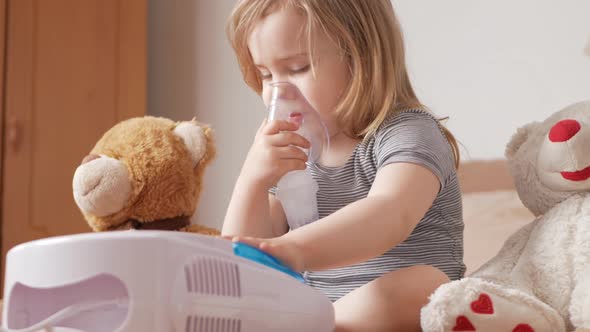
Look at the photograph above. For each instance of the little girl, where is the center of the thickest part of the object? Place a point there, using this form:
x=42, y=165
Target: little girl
x=390, y=228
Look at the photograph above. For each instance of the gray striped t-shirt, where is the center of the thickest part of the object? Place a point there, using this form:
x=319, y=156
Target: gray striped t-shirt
x=411, y=136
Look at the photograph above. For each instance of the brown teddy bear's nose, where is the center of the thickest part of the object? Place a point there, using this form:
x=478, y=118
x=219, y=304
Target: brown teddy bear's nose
x=89, y=158
x=564, y=130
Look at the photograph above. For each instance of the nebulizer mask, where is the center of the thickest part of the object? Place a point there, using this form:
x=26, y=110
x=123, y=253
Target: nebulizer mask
x=297, y=190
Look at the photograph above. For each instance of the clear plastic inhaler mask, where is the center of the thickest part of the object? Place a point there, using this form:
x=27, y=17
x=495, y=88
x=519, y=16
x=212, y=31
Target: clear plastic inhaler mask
x=297, y=189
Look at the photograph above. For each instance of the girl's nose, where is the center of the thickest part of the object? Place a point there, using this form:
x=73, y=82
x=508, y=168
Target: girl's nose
x=284, y=90
x=564, y=130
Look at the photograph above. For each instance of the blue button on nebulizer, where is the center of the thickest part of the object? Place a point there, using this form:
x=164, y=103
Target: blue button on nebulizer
x=259, y=256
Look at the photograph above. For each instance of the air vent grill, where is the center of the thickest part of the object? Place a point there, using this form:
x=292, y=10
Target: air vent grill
x=210, y=276
x=212, y=324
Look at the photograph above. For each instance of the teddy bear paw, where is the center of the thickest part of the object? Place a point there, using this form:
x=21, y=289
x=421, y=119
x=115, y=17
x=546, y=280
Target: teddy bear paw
x=476, y=305
x=483, y=315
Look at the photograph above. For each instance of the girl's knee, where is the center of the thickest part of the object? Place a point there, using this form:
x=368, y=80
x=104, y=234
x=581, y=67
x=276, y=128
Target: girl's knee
x=429, y=272
x=419, y=279
x=419, y=272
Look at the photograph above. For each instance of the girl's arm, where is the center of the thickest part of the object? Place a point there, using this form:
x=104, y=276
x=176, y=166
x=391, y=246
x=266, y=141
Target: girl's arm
x=400, y=196
x=250, y=211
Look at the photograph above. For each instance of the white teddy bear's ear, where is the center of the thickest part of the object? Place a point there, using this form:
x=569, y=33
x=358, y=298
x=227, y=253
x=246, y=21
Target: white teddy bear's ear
x=194, y=138
x=521, y=135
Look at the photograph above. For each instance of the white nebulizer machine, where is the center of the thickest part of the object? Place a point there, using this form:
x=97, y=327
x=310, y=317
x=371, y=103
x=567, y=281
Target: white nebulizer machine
x=297, y=190
x=155, y=281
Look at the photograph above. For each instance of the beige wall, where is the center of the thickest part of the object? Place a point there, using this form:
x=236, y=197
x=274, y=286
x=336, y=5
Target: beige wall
x=193, y=73
x=494, y=65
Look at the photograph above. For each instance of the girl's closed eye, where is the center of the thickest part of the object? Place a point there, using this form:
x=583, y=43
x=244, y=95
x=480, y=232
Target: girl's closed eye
x=265, y=75
x=300, y=70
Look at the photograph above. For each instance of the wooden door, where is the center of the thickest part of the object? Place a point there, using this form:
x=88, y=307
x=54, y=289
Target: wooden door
x=2, y=71
x=74, y=68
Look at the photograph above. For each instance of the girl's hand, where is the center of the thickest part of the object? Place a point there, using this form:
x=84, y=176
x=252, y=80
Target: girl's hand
x=283, y=249
x=274, y=153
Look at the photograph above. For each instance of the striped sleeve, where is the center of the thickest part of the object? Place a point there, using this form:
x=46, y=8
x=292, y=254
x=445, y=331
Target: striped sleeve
x=415, y=137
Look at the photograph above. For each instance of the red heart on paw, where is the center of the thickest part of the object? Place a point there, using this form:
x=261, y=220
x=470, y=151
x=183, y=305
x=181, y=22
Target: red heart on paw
x=463, y=324
x=483, y=305
x=523, y=328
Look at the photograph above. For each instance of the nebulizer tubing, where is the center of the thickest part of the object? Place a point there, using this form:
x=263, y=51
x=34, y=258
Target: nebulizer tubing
x=49, y=323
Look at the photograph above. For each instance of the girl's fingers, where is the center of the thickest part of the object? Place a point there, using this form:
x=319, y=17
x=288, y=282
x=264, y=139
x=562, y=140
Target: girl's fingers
x=279, y=252
x=289, y=138
x=291, y=152
x=252, y=241
x=276, y=126
x=293, y=165
x=270, y=249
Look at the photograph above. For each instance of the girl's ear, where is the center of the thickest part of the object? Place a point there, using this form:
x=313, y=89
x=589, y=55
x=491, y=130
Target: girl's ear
x=521, y=135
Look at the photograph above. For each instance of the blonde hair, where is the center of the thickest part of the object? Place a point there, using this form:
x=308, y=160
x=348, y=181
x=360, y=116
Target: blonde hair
x=369, y=35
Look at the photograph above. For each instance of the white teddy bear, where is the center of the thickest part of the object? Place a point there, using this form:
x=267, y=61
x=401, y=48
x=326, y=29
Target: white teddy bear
x=540, y=279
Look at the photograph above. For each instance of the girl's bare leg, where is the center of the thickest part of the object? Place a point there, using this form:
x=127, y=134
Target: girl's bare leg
x=389, y=303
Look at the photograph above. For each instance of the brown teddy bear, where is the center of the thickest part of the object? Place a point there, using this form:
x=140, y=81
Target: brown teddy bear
x=145, y=173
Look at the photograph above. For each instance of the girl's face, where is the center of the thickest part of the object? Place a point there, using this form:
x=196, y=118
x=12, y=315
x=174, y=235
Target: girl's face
x=279, y=49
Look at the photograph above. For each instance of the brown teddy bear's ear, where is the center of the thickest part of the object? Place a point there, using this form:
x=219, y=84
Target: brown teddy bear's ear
x=193, y=136
x=521, y=135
